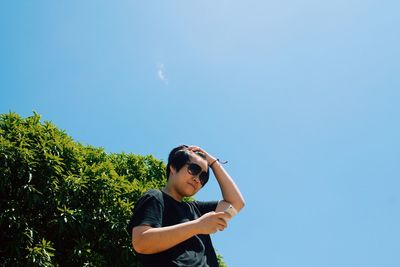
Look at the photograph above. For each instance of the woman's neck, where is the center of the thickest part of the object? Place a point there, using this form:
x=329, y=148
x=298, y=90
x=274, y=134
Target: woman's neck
x=172, y=193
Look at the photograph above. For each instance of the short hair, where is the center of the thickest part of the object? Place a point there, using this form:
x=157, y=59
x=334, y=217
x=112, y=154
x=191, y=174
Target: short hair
x=179, y=156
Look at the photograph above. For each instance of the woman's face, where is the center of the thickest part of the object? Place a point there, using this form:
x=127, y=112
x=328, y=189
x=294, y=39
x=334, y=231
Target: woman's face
x=184, y=182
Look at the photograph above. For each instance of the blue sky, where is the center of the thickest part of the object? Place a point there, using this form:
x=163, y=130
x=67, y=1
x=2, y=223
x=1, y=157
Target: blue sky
x=301, y=97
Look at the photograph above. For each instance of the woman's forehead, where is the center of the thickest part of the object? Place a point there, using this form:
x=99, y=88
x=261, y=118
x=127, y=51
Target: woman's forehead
x=199, y=160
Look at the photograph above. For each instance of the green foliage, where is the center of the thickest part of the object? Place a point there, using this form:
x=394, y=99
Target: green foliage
x=41, y=254
x=221, y=261
x=63, y=203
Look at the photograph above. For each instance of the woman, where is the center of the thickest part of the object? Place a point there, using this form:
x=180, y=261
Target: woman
x=167, y=231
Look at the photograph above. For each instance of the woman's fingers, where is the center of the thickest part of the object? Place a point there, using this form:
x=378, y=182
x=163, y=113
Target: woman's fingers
x=222, y=222
x=195, y=148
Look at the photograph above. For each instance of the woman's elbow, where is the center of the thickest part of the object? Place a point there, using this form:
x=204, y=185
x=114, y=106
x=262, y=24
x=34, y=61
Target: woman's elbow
x=138, y=240
x=240, y=205
x=136, y=247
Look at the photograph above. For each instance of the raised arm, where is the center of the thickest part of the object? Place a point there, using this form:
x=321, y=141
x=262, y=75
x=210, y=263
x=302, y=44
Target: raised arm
x=230, y=191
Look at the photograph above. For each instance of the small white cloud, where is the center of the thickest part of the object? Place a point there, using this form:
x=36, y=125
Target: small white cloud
x=161, y=73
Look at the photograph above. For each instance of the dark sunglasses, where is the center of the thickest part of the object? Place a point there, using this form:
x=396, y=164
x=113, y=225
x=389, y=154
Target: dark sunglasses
x=196, y=170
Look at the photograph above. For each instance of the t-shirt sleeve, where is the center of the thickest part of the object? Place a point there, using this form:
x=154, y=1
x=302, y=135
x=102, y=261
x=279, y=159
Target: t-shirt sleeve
x=206, y=206
x=148, y=211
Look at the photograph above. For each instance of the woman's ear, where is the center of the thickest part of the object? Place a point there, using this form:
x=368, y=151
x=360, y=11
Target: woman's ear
x=172, y=170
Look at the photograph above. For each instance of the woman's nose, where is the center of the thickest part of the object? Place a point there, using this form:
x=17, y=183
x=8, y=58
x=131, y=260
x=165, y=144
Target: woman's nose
x=196, y=179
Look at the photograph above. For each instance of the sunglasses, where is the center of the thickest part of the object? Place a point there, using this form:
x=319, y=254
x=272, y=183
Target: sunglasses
x=197, y=171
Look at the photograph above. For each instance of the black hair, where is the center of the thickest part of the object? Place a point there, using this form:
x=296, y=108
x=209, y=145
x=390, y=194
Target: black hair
x=179, y=156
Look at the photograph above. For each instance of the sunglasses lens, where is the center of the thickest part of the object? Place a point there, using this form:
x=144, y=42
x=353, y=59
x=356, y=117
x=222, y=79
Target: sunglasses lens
x=203, y=177
x=194, y=169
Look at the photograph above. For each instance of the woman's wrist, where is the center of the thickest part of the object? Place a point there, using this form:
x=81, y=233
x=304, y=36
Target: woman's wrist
x=213, y=162
x=210, y=160
x=216, y=162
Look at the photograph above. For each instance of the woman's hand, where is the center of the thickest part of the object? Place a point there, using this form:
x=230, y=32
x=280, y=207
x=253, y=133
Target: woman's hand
x=212, y=222
x=210, y=159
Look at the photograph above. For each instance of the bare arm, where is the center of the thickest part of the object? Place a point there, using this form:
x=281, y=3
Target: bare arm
x=148, y=240
x=229, y=189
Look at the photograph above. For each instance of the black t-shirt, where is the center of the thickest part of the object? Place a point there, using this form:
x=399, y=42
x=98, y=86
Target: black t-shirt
x=157, y=209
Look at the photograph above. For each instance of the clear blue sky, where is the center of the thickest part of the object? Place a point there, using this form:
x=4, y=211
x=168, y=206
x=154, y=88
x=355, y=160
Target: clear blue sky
x=301, y=97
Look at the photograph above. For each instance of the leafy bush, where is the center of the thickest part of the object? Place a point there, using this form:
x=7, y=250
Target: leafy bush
x=63, y=203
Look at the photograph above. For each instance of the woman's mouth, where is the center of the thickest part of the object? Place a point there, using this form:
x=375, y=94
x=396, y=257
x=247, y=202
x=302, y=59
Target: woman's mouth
x=192, y=185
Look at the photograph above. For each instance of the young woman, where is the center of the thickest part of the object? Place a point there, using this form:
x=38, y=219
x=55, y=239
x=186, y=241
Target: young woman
x=167, y=231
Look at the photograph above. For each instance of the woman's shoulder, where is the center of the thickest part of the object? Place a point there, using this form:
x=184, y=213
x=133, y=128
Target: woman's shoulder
x=150, y=195
x=156, y=193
